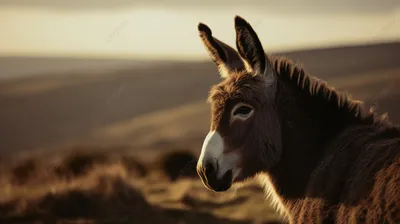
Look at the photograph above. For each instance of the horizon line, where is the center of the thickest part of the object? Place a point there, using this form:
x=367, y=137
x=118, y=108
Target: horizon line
x=194, y=57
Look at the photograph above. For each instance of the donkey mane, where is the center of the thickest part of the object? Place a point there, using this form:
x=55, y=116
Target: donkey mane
x=295, y=74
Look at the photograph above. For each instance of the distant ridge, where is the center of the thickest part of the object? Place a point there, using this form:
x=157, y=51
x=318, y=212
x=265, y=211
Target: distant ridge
x=388, y=44
x=349, y=57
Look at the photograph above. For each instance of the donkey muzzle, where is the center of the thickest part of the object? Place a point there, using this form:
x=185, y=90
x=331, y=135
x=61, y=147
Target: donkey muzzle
x=215, y=167
x=213, y=181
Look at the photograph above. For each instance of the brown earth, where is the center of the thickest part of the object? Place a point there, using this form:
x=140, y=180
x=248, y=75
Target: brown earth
x=120, y=146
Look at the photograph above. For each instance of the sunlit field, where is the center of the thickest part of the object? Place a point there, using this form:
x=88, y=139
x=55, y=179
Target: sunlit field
x=103, y=106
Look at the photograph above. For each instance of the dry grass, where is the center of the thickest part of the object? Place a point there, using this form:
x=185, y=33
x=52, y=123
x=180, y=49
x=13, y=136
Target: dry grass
x=177, y=164
x=93, y=187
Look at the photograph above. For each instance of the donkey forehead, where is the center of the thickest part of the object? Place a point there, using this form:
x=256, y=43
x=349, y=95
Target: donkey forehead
x=238, y=87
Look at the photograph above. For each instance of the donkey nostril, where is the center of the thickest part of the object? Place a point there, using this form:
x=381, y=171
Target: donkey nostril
x=210, y=170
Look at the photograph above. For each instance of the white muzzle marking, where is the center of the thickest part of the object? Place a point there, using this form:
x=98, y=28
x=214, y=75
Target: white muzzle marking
x=213, y=152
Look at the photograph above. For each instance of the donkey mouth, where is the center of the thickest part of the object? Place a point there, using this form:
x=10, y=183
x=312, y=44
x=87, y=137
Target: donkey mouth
x=219, y=184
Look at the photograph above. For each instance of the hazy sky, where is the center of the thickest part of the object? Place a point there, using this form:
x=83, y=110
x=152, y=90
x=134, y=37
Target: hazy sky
x=169, y=28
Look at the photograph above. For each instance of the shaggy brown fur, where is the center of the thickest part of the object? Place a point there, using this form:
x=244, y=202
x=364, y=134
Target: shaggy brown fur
x=326, y=158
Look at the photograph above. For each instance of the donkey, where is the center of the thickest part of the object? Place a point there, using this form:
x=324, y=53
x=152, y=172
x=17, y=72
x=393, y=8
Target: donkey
x=320, y=156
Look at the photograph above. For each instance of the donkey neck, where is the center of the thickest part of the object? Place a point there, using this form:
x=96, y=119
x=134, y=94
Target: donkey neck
x=310, y=121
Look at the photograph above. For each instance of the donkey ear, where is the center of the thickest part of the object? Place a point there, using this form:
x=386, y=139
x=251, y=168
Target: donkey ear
x=226, y=58
x=251, y=50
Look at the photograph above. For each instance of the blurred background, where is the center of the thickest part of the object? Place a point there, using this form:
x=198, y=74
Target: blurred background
x=111, y=96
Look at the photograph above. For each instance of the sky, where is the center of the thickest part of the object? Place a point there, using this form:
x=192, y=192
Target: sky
x=168, y=29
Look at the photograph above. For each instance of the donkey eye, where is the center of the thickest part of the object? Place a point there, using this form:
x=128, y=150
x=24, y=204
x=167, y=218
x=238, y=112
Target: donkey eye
x=243, y=110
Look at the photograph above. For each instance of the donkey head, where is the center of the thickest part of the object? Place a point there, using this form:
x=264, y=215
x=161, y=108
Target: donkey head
x=244, y=137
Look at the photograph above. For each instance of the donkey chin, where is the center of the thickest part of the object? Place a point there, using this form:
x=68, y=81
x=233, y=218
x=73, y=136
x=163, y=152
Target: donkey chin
x=216, y=166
